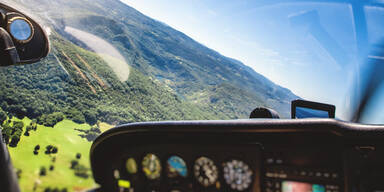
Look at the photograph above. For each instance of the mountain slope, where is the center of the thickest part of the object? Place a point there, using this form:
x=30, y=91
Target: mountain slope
x=190, y=70
x=82, y=86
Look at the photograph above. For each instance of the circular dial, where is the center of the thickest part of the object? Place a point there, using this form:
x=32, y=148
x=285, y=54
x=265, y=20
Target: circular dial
x=131, y=166
x=205, y=171
x=176, y=167
x=151, y=166
x=20, y=29
x=237, y=175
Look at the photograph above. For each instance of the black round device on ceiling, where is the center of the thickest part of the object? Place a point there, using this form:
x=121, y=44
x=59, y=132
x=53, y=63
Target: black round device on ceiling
x=262, y=112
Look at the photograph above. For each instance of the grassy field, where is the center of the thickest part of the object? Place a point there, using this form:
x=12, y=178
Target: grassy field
x=104, y=127
x=66, y=138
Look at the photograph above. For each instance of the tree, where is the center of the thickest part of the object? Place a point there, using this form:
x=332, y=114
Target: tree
x=37, y=147
x=48, y=149
x=14, y=140
x=4, y=105
x=29, y=128
x=51, y=120
x=74, y=163
x=91, y=136
x=18, y=125
x=51, y=168
x=90, y=117
x=78, y=156
x=43, y=171
x=75, y=115
x=54, y=150
x=3, y=116
x=81, y=171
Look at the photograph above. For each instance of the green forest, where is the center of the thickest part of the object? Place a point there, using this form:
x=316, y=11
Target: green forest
x=48, y=93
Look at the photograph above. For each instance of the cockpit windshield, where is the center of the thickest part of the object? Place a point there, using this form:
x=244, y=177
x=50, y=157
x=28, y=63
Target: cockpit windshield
x=114, y=62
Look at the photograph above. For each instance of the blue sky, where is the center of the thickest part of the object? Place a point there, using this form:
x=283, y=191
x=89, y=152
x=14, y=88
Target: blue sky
x=318, y=66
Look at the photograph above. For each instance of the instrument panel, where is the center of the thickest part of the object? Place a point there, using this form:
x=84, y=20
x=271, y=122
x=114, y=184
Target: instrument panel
x=184, y=168
x=235, y=156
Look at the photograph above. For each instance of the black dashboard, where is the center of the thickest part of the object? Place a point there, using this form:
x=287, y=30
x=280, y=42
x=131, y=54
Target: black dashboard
x=313, y=155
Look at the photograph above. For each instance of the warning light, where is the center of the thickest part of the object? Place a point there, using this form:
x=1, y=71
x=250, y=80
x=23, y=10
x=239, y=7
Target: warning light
x=124, y=184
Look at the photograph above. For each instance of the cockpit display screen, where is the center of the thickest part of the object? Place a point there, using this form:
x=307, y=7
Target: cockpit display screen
x=292, y=186
x=302, y=112
x=307, y=109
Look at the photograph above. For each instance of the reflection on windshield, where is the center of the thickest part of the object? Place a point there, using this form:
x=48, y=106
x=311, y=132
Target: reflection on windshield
x=105, y=50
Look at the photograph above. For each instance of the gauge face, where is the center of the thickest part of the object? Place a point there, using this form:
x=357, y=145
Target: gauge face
x=21, y=29
x=131, y=166
x=151, y=166
x=205, y=171
x=176, y=167
x=237, y=175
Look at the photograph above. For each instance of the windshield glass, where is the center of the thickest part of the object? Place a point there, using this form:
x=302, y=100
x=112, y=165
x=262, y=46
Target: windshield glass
x=113, y=62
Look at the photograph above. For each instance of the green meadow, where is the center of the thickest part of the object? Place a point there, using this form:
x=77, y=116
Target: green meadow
x=64, y=136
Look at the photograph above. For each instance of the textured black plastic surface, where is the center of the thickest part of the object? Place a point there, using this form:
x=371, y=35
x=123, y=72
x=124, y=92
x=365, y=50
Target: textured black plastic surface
x=319, y=134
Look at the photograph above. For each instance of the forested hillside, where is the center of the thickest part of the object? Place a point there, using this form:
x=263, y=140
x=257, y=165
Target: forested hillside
x=79, y=85
x=203, y=83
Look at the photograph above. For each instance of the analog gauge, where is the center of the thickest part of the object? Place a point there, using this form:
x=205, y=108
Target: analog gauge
x=151, y=166
x=131, y=166
x=237, y=175
x=176, y=167
x=20, y=29
x=205, y=171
